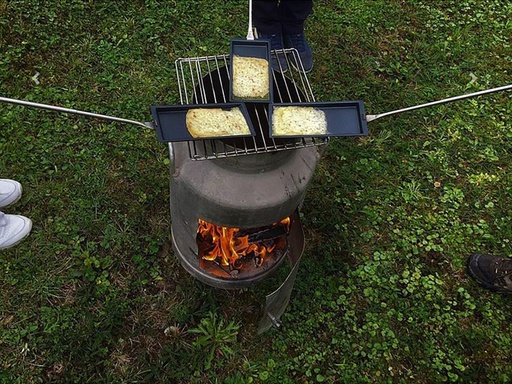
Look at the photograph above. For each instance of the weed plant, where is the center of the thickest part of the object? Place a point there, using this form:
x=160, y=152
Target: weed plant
x=95, y=293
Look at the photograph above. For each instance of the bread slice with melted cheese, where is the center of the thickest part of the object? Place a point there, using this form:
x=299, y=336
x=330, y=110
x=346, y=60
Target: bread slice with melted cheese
x=216, y=122
x=298, y=121
x=251, y=78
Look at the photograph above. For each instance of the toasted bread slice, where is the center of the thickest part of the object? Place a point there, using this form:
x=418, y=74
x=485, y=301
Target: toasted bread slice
x=298, y=121
x=251, y=78
x=216, y=122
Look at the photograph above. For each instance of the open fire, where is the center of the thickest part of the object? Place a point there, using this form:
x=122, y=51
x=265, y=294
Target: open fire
x=235, y=247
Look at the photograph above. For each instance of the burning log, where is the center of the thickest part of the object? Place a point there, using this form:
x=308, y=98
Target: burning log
x=269, y=233
x=229, y=247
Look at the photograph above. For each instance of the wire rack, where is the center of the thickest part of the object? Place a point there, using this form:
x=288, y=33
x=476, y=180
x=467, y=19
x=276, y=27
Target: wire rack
x=205, y=80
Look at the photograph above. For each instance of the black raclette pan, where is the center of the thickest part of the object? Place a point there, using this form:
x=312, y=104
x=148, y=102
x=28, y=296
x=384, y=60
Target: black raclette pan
x=343, y=118
x=170, y=122
x=250, y=49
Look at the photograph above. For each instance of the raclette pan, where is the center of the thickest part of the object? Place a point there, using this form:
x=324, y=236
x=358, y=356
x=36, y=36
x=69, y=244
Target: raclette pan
x=254, y=51
x=170, y=122
x=342, y=118
x=348, y=118
x=250, y=53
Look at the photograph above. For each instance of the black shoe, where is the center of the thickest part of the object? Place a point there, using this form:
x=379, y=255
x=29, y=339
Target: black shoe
x=492, y=272
x=300, y=43
x=278, y=58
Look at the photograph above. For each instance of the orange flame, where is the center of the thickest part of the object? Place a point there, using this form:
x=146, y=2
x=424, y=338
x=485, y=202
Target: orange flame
x=228, y=248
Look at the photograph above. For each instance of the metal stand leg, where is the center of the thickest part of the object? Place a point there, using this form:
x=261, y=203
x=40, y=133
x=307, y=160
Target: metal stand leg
x=277, y=301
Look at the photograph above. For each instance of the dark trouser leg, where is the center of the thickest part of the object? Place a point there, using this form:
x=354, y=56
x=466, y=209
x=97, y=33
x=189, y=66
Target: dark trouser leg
x=265, y=14
x=293, y=14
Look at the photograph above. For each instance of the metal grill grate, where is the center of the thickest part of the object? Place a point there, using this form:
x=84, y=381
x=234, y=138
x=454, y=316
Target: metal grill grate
x=205, y=80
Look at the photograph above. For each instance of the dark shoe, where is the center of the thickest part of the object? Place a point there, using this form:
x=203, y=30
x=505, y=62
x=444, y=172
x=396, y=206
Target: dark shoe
x=300, y=43
x=277, y=59
x=492, y=272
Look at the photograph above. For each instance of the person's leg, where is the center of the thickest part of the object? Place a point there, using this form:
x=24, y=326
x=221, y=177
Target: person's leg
x=265, y=16
x=293, y=14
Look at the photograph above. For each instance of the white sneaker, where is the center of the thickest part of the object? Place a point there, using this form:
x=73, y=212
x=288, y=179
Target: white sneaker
x=10, y=192
x=13, y=228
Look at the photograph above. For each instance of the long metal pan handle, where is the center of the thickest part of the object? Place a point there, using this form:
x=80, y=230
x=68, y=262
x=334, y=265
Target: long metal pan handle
x=75, y=111
x=250, y=34
x=443, y=101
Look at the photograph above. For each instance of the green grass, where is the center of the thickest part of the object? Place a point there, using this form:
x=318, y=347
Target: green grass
x=95, y=293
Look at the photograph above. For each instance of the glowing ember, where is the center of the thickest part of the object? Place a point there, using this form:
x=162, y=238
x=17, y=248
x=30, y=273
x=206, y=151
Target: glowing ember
x=229, y=246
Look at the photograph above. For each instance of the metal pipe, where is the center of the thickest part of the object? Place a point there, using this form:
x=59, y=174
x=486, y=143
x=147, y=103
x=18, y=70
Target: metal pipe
x=448, y=100
x=76, y=112
x=250, y=34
